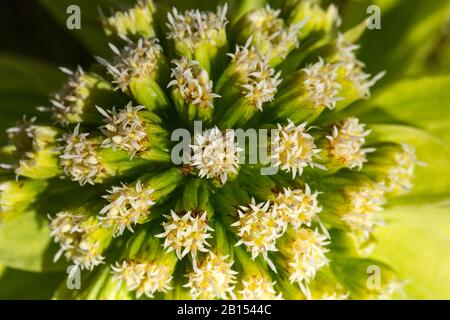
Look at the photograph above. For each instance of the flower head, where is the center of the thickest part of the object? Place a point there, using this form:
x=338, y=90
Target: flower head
x=321, y=84
x=186, y=234
x=297, y=207
x=193, y=83
x=68, y=103
x=75, y=239
x=305, y=254
x=194, y=26
x=271, y=32
x=125, y=130
x=294, y=149
x=345, y=143
x=258, y=287
x=127, y=206
x=137, y=21
x=258, y=229
x=365, y=204
x=138, y=60
x=35, y=149
x=215, y=154
x=400, y=176
x=79, y=158
x=146, y=278
x=213, y=278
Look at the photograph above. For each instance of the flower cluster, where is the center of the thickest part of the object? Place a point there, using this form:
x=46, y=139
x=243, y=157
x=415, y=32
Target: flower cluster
x=214, y=226
x=186, y=234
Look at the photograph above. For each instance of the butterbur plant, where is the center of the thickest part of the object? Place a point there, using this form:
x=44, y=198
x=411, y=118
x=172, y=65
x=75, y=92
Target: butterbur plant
x=241, y=152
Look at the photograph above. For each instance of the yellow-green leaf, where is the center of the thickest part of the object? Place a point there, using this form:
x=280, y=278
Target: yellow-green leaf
x=416, y=243
x=421, y=102
x=25, y=244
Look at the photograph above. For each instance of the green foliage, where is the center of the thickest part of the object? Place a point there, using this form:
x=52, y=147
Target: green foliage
x=409, y=31
x=25, y=244
x=29, y=83
x=416, y=241
x=421, y=102
x=16, y=284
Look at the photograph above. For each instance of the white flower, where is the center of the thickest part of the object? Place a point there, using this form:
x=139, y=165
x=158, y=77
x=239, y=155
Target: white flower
x=215, y=154
x=79, y=158
x=143, y=277
x=261, y=80
x=293, y=149
x=345, y=51
x=365, y=204
x=297, y=207
x=258, y=288
x=137, y=60
x=127, y=206
x=74, y=238
x=259, y=229
x=346, y=143
x=272, y=30
x=322, y=87
x=399, y=180
x=68, y=103
x=305, y=254
x=124, y=130
x=186, y=234
x=131, y=21
x=213, y=278
x=193, y=83
x=194, y=26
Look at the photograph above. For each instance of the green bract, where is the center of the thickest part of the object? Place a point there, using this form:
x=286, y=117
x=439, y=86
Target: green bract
x=227, y=154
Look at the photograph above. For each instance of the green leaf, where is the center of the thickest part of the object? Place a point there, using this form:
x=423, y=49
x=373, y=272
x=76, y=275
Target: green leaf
x=421, y=102
x=409, y=31
x=16, y=284
x=432, y=180
x=416, y=243
x=25, y=244
x=91, y=34
x=29, y=83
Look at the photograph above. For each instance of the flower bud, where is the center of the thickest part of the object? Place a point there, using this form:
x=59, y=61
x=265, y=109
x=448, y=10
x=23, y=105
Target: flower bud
x=17, y=196
x=141, y=69
x=192, y=91
x=36, y=150
x=214, y=155
x=255, y=282
x=326, y=287
x=129, y=205
x=268, y=33
x=75, y=101
x=81, y=237
x=135, y=23
x=342, y=145
x=319, y=23
x=85, y=161
x=143, y=268
x=246, y=86
x=136, y=131
x=354, y=203
x=393, y=165
x=200, y=36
